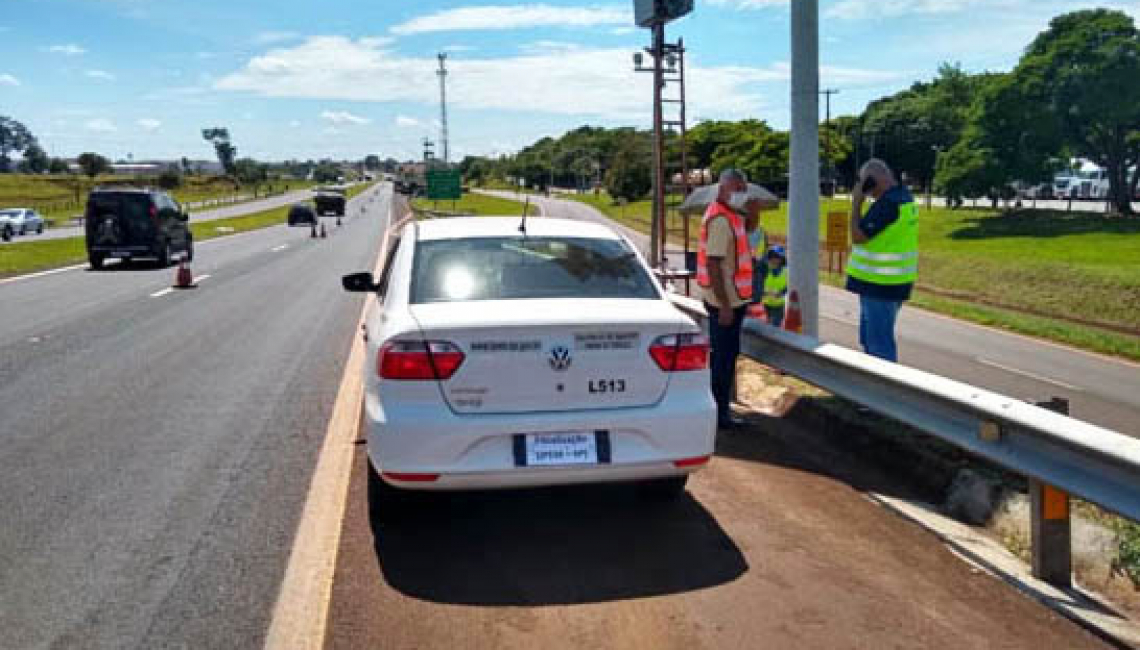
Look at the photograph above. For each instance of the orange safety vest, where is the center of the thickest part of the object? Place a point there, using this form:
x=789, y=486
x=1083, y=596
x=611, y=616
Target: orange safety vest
x=742, y=279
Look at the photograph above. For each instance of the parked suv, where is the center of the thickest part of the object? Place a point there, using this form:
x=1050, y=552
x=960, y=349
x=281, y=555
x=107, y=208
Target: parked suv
x=131, y=223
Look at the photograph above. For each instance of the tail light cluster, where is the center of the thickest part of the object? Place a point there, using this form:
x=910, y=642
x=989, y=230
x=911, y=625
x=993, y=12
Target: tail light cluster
x=418, y=360
x=680, y=352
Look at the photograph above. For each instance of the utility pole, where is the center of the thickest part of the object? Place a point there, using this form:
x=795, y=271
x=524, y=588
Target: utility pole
x=827, y=93
x=442, y=73
x=803, y=195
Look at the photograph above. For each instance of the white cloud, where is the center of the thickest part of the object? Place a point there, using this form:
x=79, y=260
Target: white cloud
x=266, y=38
x=149, y=123
x=101, y=125
x=8, y=80
x=459, y=48
x=343, y=117
x=102, y=75
x=577, y=80
x=70, y=49
x=499, y=17
x=405, y=122
x=861, y=9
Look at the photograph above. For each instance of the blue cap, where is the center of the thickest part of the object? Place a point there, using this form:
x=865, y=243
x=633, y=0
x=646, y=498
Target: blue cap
x=777, y=250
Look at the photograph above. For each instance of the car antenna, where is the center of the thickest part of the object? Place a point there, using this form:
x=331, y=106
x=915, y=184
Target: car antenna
x=526, y=209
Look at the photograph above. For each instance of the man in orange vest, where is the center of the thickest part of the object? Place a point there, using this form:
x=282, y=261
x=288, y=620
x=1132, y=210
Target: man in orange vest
x=724, y=273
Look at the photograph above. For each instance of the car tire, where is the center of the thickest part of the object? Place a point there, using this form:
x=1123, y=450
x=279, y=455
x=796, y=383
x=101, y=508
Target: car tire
x=6, y=235
x=663, y=489
x=40, y=229
x=386, y=504
x=164, y=256
x=96, y=261
x=190, y=250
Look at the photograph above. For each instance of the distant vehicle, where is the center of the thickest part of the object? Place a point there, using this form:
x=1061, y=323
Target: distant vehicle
x=20, y=221
x=302, y=214
x=507, y=359
x=1064, y=184
x=131, y=223
x=330, y=201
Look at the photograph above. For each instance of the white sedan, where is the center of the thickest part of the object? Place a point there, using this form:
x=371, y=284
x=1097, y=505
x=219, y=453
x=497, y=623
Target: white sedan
x=20, y=221
x=506, y=355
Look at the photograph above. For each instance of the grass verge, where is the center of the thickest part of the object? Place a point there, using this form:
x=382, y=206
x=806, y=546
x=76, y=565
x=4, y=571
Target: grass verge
x=478, y=204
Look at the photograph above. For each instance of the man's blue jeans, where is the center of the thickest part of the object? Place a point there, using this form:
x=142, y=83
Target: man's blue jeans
x=877, y=327
x=725, y=343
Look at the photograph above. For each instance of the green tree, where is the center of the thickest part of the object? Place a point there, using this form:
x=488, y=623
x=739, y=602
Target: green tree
x=58, y=166
x=326, y=172
x=225, y=150
x=93, y=164
x=1085, y=68
x=14, y=137
x=630, y=175
x=35, y=160
x=169, y=179
x=250, y=172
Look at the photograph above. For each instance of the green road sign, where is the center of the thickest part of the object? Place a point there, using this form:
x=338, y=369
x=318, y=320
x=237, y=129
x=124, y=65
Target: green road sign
x=444, y=184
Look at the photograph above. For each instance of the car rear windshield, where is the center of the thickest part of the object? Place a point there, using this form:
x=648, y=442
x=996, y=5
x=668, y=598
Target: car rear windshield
x=133, y=207
x=507, y=268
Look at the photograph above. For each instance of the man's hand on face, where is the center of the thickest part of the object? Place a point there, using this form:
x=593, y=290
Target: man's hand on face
x=725, y=317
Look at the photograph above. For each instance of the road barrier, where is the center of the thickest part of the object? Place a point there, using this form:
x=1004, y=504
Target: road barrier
x=1059, y=455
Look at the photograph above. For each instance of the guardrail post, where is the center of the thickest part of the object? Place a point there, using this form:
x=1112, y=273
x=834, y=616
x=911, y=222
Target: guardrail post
x=1050, y=529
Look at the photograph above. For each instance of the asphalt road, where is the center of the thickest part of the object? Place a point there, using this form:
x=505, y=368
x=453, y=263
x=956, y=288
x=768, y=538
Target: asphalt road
x=156, y=445
x=1100, y=389
x=235, y=210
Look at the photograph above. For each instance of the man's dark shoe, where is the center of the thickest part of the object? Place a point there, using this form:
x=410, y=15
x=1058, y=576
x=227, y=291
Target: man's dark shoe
x=730, y=422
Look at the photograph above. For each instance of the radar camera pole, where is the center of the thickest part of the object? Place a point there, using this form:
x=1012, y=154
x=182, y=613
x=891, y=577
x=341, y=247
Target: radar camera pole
x=803, y=194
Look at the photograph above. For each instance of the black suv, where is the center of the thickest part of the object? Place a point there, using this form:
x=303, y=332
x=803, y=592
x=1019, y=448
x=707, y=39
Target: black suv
x=130, y=223
x=330, y=201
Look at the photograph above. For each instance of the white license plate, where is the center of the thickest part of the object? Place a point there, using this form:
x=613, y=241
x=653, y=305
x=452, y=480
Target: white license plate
x=561, y=449
x=121, y=254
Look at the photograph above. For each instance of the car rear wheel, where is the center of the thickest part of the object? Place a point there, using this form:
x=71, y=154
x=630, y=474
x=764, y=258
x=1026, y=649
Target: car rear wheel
x=189, y=250
x=663, y=489
x=96, y=261
x=385, y=502
x=40, y=229
x=164, y=256
x=6, y=234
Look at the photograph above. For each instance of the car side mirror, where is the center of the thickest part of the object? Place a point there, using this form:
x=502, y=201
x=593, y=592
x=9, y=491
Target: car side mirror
x=358, y=282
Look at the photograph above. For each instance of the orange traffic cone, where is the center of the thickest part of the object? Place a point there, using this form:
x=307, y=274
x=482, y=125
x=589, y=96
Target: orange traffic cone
x=756, y=310
x=323, y=232
x=313, y=231
x=794, y=320
x=183, y=278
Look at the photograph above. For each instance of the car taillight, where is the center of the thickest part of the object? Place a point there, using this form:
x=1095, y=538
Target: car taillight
x=680, y=352
x=418, y=360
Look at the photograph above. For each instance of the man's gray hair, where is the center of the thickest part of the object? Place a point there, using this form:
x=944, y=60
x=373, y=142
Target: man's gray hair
x=732, y=174
x=878, y=166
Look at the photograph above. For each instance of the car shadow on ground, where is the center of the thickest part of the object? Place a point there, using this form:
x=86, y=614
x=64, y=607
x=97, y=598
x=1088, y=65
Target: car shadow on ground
x=553, y=546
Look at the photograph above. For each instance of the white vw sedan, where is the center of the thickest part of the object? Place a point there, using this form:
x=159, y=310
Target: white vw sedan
x=503, y=354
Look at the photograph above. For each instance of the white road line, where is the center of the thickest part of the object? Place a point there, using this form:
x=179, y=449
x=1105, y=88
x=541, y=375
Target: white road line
x=276, y=249
x=162, y=292
x=43, y=273
x=1026, y=373
x=199, y=278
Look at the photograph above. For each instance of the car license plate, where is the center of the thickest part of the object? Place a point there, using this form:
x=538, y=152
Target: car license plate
x=121, y=254
x=561, y=449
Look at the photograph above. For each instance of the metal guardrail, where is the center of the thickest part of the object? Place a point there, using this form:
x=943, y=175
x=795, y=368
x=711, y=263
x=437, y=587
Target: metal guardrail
x=1096, y=464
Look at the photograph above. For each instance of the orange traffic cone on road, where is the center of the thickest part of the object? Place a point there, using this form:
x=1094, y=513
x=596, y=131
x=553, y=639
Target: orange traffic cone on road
x=313, y=231
x=794, y=321
x=183, y=278
x=324, y=233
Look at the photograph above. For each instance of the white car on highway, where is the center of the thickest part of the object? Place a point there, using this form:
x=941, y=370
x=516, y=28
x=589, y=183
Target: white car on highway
x=20, y=221
x=502, y=355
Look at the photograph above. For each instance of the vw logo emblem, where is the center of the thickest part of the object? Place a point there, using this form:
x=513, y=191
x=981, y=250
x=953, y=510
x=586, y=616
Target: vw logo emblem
x=560, y=358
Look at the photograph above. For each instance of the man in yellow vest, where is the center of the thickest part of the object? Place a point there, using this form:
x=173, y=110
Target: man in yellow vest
x=884, y=255
x=724, y=273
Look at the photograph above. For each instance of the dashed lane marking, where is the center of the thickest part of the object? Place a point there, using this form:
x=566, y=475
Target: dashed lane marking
x=1026, y=373
x=277, y=249
x=162, y=292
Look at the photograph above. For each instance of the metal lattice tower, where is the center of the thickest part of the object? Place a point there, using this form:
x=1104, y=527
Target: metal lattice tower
x=442, y=73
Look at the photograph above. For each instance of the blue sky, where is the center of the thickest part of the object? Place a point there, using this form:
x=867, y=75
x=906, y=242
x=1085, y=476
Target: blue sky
x=348, y=78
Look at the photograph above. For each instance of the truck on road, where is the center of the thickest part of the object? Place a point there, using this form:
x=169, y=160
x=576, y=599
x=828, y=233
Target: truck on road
x=330, y=201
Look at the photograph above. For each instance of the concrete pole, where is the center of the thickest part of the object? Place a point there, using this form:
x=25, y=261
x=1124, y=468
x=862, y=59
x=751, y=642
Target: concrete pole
x=803, y=191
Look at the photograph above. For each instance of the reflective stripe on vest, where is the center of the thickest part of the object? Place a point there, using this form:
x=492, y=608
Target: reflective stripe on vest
x=742, y=278
x=890, y=257
x=775, y=286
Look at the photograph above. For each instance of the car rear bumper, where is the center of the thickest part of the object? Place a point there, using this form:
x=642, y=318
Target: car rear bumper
x=458, y=452
x=123, y=252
